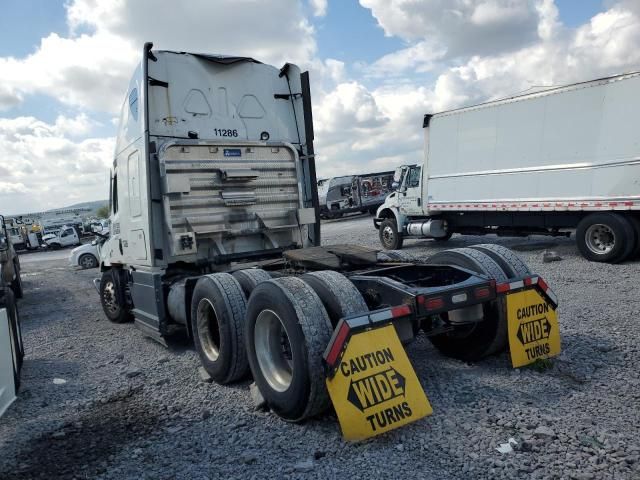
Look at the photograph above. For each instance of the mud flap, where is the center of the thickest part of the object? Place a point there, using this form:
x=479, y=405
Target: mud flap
x=372, y=384
x=534, y=332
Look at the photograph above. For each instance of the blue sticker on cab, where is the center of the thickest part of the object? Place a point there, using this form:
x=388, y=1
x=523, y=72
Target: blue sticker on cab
x=232, y=152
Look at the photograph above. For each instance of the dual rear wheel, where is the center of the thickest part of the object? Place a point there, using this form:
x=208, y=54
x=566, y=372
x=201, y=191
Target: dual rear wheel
x=275, y=328
x=279, y=328
x=471, y=341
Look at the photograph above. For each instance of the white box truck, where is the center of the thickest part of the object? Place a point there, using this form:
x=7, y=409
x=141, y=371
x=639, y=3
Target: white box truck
x=539, y=163
x=215, y=233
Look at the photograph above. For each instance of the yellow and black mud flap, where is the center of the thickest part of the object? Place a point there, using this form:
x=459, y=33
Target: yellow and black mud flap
x=534, y=332
x=372, y=383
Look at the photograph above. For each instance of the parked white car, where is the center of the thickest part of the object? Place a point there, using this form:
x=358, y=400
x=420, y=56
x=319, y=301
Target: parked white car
x=85, y=256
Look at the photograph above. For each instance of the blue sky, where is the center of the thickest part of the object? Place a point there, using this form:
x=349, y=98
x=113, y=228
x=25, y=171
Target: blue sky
x=377, y=66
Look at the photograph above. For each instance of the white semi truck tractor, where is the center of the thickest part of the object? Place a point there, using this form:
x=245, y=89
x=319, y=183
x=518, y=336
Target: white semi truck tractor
x=546, y=163
x=215, y=234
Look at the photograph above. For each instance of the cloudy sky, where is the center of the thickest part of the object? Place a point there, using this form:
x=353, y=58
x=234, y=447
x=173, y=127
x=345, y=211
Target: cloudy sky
x=377, y=66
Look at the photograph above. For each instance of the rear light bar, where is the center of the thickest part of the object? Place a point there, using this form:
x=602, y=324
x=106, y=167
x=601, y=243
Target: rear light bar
x=528, y=282
x=470, y=295
x=347, y=326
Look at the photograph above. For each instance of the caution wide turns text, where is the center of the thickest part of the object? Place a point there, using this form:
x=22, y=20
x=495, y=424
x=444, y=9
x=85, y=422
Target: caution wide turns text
x=375, y=388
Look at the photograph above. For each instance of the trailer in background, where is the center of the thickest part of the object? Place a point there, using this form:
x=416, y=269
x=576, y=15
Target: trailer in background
x=353, y=193
x=542, y=163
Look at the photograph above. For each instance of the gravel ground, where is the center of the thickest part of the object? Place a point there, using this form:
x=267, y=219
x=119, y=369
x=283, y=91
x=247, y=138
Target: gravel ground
x=132, y=409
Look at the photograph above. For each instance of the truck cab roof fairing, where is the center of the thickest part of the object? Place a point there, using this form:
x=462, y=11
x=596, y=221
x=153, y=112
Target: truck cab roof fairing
x=221, y=59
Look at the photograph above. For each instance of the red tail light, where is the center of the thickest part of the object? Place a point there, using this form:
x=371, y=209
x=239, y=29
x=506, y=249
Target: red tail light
x=434, y=303
x=400, y=311
x=482, y=292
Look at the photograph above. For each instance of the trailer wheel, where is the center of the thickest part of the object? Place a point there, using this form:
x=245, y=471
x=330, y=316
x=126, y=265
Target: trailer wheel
x=339, y=296
x=390, y=238
x=511, y=264
x=112, y=300
x=249, y=278
x=16, y=284
x=218, y=310
x=288, y=330
x=475, y=341
x=605, y=237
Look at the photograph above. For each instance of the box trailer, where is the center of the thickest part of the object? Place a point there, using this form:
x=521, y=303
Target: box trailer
x=353, y=193
x=540, y=163
x=215, y=233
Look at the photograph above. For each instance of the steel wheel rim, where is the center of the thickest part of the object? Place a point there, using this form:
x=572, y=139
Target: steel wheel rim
x=600, y=239
x=387, y=235
x=208, y=329
x=109, y=297
x=86, y=261
x=273, y=350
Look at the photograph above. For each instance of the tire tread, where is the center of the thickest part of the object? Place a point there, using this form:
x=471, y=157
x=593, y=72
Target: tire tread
x=236, y=304
x=317, y=330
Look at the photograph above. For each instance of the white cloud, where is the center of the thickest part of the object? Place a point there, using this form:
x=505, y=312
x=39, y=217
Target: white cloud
x=420, y=58
x=319, y=7
x=275, y=31
x=7, y=188
x=9, y=97
x=44, y=168
x=91, y=69
x=462, y=27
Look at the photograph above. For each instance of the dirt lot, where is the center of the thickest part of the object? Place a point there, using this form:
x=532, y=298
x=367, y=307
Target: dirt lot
x=130, y=408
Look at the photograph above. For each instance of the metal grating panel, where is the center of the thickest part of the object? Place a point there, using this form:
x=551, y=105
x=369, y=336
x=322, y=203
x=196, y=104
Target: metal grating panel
x=260, y=205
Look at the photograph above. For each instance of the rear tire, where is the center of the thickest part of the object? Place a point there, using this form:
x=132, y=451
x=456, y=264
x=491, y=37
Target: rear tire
x=605, y=237
x=511, y=264
x=113, y=299
x=288, y=330
x=218, y=310
x=489, y=336
x=250, y=278
x=339, y=296
x=390, y=238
